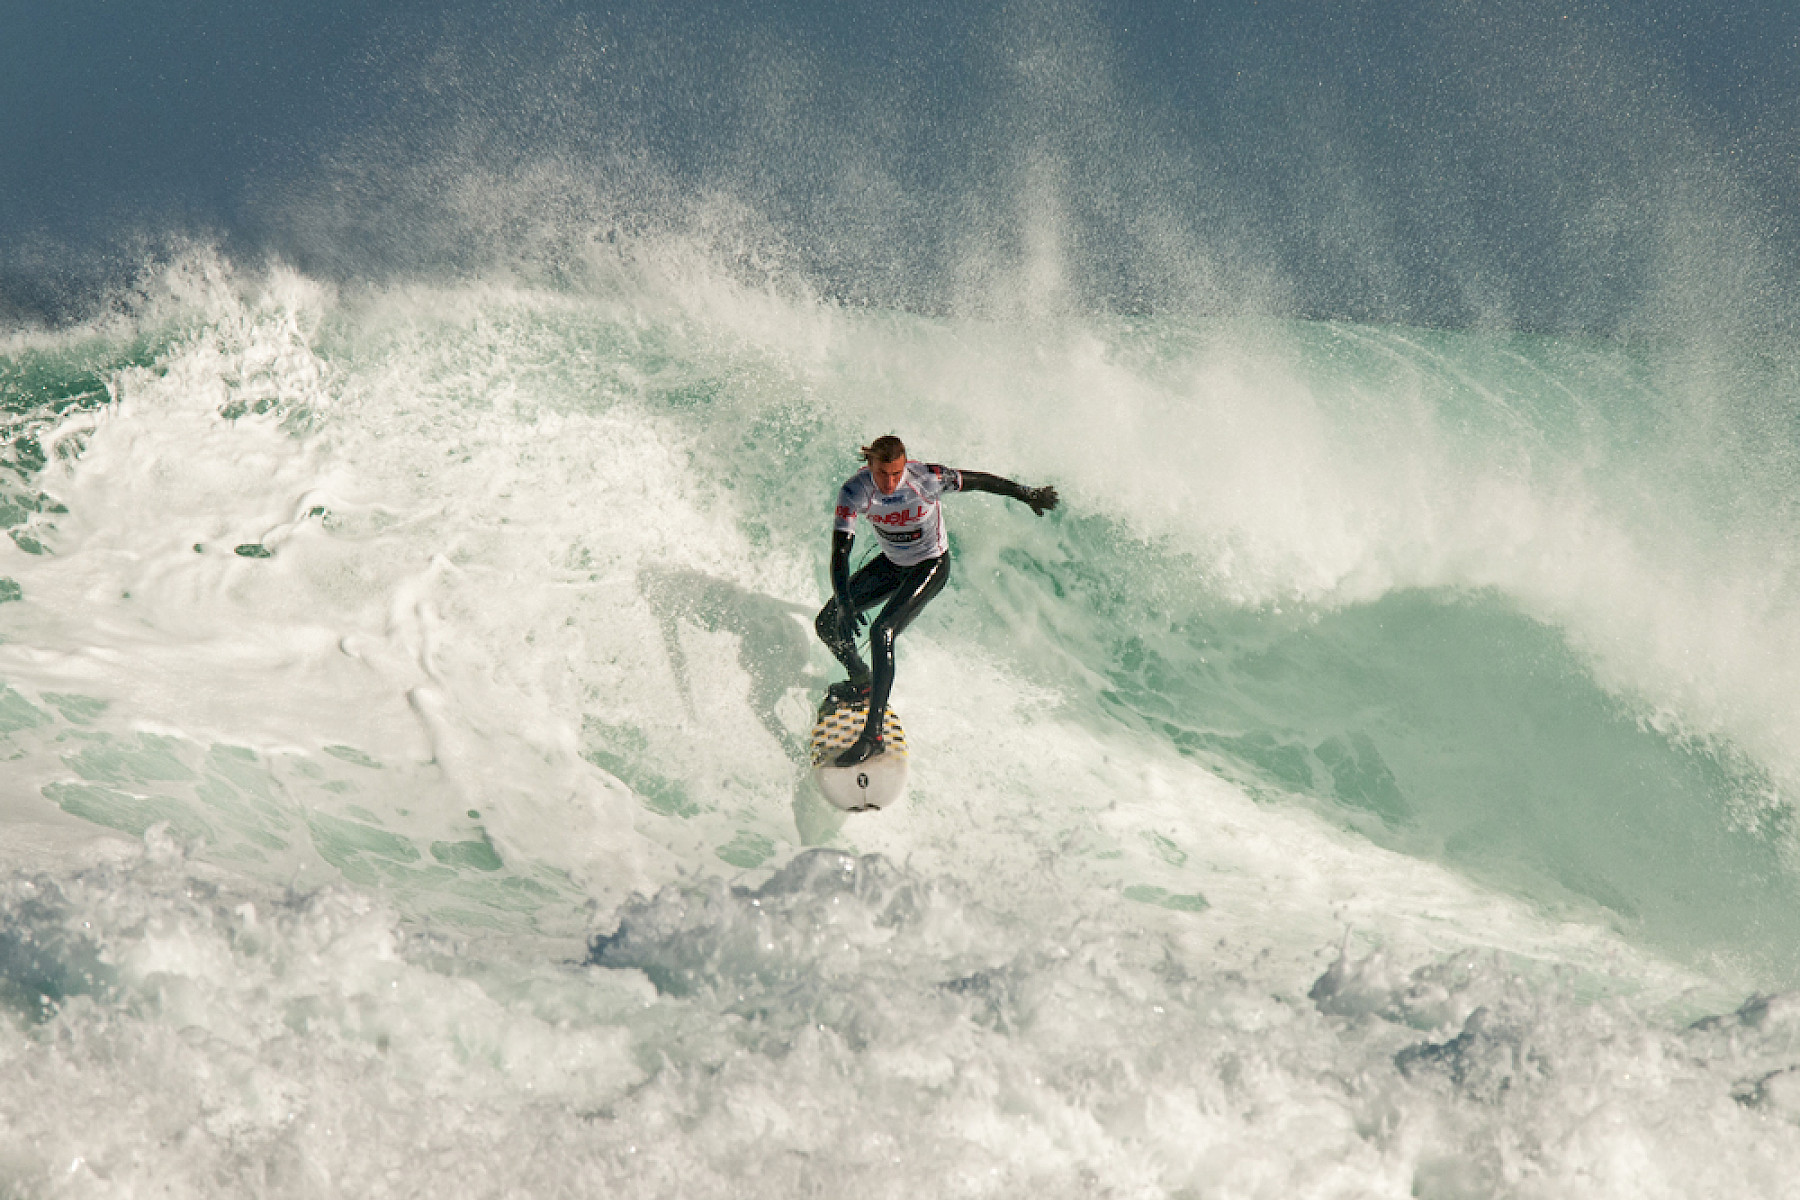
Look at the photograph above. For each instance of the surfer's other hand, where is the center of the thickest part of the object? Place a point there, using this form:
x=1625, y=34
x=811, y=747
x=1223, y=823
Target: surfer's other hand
x=1042, y=499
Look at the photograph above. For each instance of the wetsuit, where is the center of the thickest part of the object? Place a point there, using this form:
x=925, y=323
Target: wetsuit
x=913, y=566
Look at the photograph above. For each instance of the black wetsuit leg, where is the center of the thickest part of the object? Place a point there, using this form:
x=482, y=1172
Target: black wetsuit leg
x=917, y=586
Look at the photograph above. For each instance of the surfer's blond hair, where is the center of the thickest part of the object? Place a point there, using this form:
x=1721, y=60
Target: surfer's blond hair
x=884, y=449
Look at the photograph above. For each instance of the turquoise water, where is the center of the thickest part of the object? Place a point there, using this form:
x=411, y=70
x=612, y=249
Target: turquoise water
x=1362, y=784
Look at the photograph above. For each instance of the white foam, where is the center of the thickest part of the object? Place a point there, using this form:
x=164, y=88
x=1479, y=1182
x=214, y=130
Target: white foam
x=1087, y=964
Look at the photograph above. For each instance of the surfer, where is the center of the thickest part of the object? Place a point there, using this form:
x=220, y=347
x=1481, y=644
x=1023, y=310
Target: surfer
x=900, y=498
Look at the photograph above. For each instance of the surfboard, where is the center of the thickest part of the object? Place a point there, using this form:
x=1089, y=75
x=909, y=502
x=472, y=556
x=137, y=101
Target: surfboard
x=868, y=786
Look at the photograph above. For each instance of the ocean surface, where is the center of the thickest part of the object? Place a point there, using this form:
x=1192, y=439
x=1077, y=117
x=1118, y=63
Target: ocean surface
x=1377, y=779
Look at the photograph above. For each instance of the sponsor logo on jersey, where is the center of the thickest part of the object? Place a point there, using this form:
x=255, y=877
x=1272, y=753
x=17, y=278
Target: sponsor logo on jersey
x=905, y=535
x=905, y=516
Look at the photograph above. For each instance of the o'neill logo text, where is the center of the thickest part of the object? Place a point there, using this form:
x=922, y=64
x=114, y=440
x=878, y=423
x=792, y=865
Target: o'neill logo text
x=905, y=516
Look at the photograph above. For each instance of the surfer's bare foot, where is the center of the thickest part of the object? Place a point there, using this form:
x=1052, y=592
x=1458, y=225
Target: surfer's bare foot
x=862, y=750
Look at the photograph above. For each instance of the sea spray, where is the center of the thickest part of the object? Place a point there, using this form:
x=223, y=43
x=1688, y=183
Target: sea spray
x=471, y=814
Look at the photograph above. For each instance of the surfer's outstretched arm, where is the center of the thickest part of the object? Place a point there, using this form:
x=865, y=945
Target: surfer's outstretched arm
x=1041, y=499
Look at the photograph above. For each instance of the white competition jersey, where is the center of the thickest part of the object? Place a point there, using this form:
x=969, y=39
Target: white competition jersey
x=909, y=521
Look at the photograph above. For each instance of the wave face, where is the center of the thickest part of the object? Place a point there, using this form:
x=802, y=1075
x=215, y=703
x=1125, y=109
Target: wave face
x=1378, y=778
x=405, y=695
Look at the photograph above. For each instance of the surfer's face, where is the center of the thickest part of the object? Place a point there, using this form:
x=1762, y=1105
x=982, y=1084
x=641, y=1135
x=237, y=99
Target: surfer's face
x=888, y=474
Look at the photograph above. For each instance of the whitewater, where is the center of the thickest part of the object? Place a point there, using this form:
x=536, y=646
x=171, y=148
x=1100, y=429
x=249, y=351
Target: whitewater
x=1374, y=781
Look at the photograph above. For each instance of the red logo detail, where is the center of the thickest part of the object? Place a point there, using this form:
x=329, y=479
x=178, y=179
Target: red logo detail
x=905, y=516
x=843, y=512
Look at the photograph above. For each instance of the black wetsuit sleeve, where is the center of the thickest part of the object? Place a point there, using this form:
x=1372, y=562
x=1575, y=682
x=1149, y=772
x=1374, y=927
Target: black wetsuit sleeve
x=1041, y=499
x=840, y=563
x=981, y=481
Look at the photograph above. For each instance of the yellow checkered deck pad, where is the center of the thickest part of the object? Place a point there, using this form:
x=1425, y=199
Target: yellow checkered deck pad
x=836, y=730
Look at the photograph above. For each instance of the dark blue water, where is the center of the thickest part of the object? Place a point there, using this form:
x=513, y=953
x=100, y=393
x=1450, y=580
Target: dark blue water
x=1582, y=169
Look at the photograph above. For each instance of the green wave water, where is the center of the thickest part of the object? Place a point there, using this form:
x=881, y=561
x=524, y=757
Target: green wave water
x=424, y=674
x=1353, y=654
